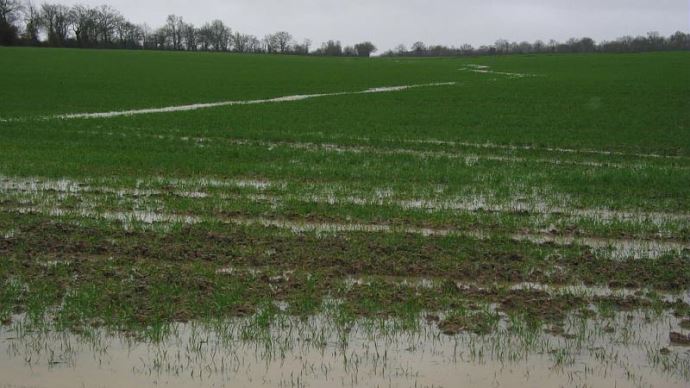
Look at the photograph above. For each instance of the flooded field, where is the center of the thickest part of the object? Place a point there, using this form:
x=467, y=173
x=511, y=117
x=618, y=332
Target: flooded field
x=625, y=349
x=512, y=222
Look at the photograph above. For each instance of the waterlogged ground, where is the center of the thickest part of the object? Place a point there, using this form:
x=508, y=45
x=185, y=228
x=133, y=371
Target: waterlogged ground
x=495, y=222
x=623, y=349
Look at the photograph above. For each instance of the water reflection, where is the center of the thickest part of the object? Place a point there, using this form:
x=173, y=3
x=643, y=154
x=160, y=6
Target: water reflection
x=630, y=349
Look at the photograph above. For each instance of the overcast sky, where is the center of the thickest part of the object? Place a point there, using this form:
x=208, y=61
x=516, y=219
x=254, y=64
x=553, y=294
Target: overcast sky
x=388, y=23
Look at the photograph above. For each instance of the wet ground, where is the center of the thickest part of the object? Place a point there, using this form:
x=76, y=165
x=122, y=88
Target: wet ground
x=630, y=349
x=195, y=249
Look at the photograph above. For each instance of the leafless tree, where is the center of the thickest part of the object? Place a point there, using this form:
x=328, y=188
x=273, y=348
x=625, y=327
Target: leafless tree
x=32, y=23
x=220, y=35
x=679, y=41
x=128, y=34
x=270, y=45
x=107, y=20
x=418, y=47
x=240, y=42
x=56, y=19
x=466, y=49
x=10, y=11
x=190, y=36
x=332, y=48
x=146, y=36
x=400, y=49
x=538, y=46
x=253, y=44
x=160, y=39
x=502, y=46
x=174, y=27
x=205, y=37
x=283, y=40
x=364, y=49
x=85, y=24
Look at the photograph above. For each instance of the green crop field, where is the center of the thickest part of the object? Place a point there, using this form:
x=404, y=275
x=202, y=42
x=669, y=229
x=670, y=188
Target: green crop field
x=490, y=196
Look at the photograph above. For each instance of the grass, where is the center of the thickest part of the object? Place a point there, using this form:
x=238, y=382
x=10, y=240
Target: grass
x=418, y=207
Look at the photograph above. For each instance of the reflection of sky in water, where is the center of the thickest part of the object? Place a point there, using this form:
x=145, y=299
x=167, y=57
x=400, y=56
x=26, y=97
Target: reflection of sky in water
x=623, y=350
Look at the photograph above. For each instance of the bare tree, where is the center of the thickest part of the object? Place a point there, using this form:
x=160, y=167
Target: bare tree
x=553, y=45
x=331, y=48
x=128, y=34
x=300, y=49
x=679, y=41
x=656, y=41
x=190, y=35
x=400, y=49
x=365, y=49
x=253, y=44
x=538, y=46
x=270, y=44
x=502, y=46
x=418, y=48
x=283, y=40
x=56, y=19
x=220, y=35
x=466, y=49
x=524, y=47
x=280, y=42
x=174, y=27
x=160, y=39
x=146, y=36
x=32, y=23
x=85, y=25
x=10, y=11
x=240, y=42
x=107, y=20
x=205, y=37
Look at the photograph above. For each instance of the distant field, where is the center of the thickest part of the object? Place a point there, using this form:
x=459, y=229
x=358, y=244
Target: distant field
x=489, y=173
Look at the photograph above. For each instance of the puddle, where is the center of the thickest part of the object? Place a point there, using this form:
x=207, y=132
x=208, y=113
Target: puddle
x=632, y=351
x=553, y=290
x=485, y=145
x=34, y=185
x=481, y=67
x=126, y=218
x=383, y=197
x=191, y=107
x=54, y=263
x=618, y=249
x=8, y=234
x=599, y=291
x=37, y=184
x=479, y=203
x=533, y=148
x=486, y=70
x=257, y=184
x=416, y=282
x=469, y=159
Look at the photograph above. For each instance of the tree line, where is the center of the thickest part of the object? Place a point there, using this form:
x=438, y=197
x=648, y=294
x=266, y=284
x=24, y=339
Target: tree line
x=57, y=25
x=653, y=41
x=23, y=23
